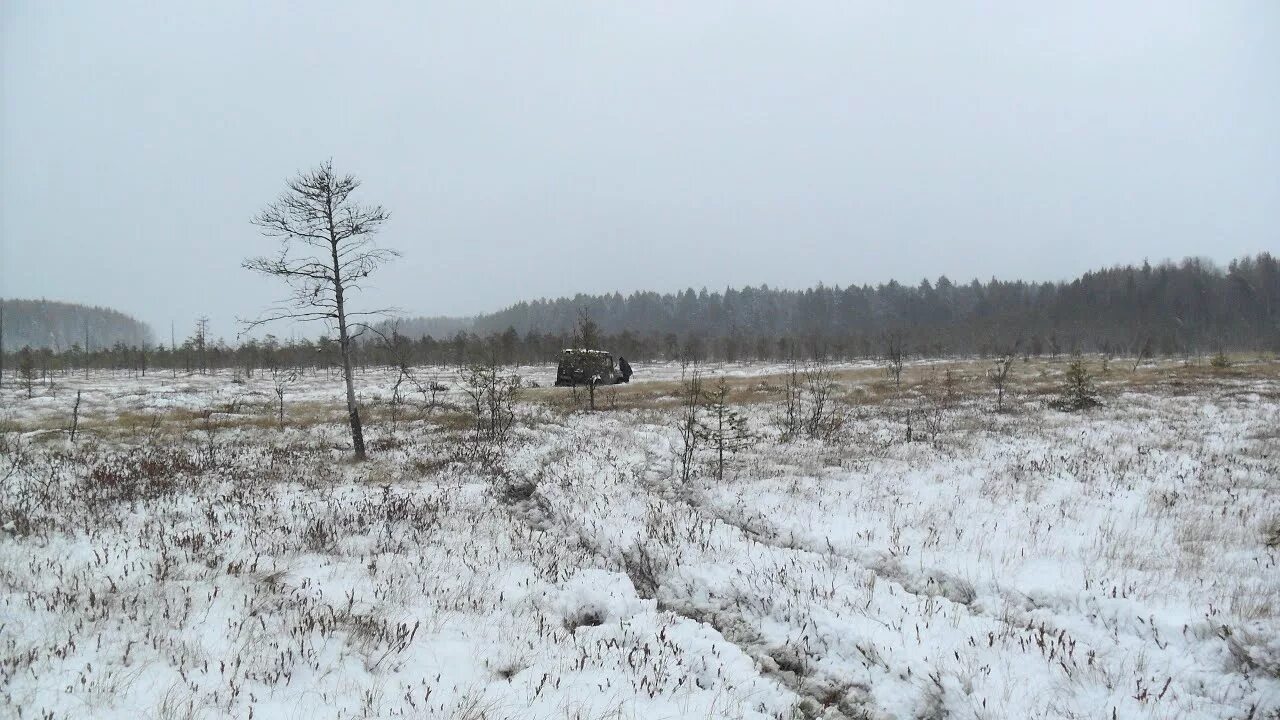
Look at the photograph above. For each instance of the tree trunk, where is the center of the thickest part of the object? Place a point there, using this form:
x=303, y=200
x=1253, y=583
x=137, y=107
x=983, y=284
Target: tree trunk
x=344, y=344
x=720, y=443
x=353, y=410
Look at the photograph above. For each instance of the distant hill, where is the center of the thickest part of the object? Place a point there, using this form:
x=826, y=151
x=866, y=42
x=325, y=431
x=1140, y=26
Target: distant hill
x=59, y=325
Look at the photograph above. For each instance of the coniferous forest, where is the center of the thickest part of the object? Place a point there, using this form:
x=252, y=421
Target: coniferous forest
x=1169, y=308
x=60, y=326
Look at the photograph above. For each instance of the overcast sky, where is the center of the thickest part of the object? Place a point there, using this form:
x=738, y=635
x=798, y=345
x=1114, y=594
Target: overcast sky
x=548, y=148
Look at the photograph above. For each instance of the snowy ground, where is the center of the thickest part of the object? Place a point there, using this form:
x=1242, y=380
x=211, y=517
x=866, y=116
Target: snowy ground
x=188, y=558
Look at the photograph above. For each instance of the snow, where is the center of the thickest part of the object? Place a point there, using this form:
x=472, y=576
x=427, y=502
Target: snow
x=1034, y=564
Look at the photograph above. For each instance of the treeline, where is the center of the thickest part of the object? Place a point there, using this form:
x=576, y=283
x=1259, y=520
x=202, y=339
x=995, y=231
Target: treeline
x=1187, y=308
x=1170, y=308
x=61, y=326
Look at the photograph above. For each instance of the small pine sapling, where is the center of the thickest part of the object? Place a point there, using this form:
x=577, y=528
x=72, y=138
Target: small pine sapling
x=1078, y=392
x=722, y=428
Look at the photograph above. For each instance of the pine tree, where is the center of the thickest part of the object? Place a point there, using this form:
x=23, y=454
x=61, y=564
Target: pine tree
x=1078, y=392
x=723, y=429
x=326, y=253
x=27, y=368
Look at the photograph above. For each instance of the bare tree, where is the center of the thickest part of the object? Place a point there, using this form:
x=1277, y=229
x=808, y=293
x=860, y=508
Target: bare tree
x=586, y=333
x=999, y=374
x=689, y=419
x=895, y=354
x=281, y=379
x=822, y=419
x=793, y=401
x=808, y=395
x=398, y=350
x=326, y=252
x=1141, y=354
x=586, y=336
x=201, y=340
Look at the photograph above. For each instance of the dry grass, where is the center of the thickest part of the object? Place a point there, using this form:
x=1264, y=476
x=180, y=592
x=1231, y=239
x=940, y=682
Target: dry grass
x=1035, y=378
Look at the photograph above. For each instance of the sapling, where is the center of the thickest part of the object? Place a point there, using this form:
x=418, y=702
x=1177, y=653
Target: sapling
x=792, y=390
x=690, y=403
x=27, y=368
x=821, y=421
x=1077, y=391
x=281, y=379
x=895, y=355
x=1000, y=377
x=722, y=428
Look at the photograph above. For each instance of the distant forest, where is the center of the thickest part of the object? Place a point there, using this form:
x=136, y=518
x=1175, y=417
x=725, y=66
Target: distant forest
x=60, y=326
x=1172, y=309
x=1169, y=309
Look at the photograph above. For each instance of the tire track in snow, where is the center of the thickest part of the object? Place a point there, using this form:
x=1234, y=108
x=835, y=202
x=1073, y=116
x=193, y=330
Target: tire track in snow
x=1014, y=619
x=818, y=695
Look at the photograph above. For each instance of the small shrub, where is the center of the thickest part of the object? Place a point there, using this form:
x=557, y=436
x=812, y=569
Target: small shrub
x=809, y=403
x=490, y=412
x=139, y=476
x=1078, y=392
x=689, y=421
x=999, y=377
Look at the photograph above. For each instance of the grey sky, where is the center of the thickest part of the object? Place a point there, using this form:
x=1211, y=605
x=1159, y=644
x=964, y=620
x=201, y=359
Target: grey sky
x=676, y=143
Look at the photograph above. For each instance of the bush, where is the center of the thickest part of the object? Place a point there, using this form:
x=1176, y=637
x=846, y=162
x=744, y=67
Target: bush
x=491, y=407
x=809, y=404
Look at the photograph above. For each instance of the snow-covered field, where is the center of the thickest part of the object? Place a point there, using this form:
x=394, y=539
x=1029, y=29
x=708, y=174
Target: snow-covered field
x=187, y=557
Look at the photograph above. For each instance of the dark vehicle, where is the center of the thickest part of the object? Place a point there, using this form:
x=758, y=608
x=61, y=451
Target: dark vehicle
x=580, y=367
